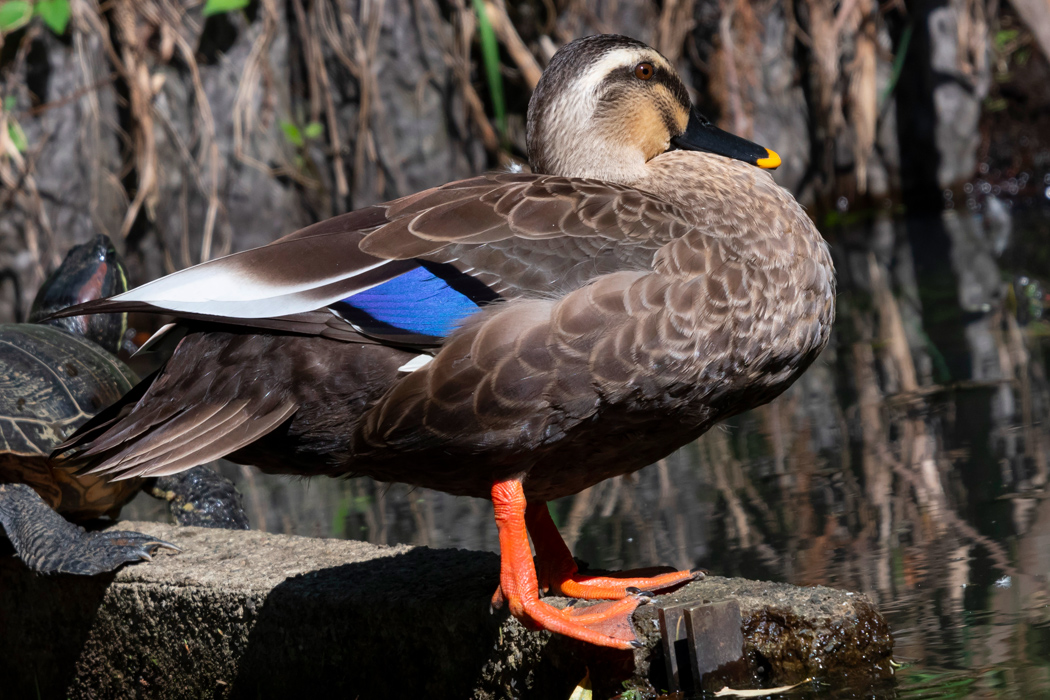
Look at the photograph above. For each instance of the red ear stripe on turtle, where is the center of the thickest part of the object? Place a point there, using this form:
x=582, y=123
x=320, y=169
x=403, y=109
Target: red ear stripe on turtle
x=93, y=288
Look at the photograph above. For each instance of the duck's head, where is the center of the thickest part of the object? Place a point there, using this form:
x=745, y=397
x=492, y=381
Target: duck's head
x=608, y=104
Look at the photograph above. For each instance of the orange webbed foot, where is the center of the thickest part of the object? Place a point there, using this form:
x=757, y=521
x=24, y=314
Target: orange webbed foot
x=559, y=574
x=605, y=624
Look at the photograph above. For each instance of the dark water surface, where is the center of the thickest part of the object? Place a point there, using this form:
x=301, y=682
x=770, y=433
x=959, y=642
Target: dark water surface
x=909, y=463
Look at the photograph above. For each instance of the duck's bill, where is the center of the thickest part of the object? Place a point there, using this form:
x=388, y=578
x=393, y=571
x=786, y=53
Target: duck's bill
x=702, y=135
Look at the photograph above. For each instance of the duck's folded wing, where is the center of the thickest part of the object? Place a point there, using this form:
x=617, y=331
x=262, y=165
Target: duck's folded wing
x=498, y=235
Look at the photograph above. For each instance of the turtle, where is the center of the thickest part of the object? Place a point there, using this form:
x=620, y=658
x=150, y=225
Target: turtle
x=54, y=375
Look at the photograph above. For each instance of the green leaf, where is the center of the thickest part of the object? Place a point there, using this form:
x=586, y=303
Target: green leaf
x=17, y=136
x=898, y=63
x=995, y=104
x=14, y=14
x=10, y=102
x=490, y=57
x=292, y=133
x=1004, y=37
x=215, y=7
x=313, y=130
x=55, y=14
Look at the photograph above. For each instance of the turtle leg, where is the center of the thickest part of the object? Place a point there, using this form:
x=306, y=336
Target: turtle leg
x=48, y=543
x=605, y=624
x=201, y=498
x=558, y=571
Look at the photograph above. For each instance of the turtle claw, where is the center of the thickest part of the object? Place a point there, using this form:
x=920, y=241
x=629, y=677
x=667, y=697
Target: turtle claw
x=106, y=550
x=127, y=538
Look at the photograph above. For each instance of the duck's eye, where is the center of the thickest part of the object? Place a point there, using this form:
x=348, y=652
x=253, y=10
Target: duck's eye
x=644, y=71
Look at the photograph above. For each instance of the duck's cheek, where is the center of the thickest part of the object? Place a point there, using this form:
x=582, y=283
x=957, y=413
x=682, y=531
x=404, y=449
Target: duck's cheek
x=649, y=131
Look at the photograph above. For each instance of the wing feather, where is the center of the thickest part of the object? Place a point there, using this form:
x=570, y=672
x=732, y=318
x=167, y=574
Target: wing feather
x=517, y=233
x=211, y=443
x=178, y=431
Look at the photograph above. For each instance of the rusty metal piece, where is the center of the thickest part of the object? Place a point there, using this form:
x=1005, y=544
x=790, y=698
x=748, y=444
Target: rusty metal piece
x=673, y=637
x=698, y=640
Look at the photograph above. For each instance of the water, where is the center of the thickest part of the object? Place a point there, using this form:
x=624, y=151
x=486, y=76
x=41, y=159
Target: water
x=910, y=463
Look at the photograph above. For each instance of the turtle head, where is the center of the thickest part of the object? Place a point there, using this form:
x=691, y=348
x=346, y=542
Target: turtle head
x=92, y=270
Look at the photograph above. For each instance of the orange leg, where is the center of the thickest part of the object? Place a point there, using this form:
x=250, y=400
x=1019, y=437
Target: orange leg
x=605, y=624
x=558, y=571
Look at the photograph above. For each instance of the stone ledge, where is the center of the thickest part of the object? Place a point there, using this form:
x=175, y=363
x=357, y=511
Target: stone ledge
x=252, y=614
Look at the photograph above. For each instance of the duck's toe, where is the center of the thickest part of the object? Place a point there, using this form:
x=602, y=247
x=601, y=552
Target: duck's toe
x=613, y=587
x=606, y=624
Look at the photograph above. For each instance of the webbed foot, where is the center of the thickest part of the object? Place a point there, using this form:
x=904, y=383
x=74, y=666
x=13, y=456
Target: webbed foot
x=559, y=574
x=605, y=624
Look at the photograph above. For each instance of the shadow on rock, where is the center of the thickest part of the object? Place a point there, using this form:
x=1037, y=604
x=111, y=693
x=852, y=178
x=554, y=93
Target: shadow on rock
x=45, y=622
x=410, y=625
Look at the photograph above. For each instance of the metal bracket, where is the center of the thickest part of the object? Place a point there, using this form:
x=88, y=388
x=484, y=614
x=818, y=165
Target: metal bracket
x=700, y=639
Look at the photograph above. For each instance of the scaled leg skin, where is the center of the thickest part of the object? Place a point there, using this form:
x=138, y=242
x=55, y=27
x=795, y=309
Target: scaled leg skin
x=604, y=624
x=202, y=498
x=558, y=572
x=49, y=544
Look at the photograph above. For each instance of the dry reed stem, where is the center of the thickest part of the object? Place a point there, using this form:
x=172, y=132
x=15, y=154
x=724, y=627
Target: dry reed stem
x=675, y=25
x=863, y=101
x=136, y=76
x=360, y=60
x=734, y=67
x=508, y=35
x=323, y=25
x=737, y=118
x=136, y=24
x=255, y=70
x=891, y=329
x=464, y=22
x=728, y=478
x=16, y=174
x=91, y=63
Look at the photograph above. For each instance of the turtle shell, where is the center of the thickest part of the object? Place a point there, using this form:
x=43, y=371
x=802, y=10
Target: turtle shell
x=51, y=381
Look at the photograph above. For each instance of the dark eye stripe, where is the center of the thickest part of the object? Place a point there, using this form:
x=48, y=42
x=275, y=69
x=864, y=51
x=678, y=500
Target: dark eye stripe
x=661, y=77
x=670, y=122
x=674, y=86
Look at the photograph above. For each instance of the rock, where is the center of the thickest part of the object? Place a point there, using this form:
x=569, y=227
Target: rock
x=251, y=614
x=791, y=633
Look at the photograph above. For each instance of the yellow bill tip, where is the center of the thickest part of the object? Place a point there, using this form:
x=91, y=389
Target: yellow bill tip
x=770, y=162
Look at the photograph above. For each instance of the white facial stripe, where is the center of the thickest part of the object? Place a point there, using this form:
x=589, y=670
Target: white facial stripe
x=618, y=58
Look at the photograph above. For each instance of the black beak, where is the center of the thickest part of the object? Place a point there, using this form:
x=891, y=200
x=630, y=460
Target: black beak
x=702, y=135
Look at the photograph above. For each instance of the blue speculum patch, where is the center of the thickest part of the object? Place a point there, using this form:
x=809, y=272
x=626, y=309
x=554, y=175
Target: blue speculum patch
x=417, y=302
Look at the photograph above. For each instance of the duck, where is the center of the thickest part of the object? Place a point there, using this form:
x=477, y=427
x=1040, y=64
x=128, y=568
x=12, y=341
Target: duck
x=513, y=336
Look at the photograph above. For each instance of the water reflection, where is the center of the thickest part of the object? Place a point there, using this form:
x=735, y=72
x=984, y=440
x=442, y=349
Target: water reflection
x=909, y=463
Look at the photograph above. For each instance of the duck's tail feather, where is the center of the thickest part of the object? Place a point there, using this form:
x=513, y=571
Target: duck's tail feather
x=148, y=433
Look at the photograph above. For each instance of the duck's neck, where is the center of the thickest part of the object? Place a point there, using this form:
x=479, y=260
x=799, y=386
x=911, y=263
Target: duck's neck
x=608, y=162
x=581, y=150
x=724, y=196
